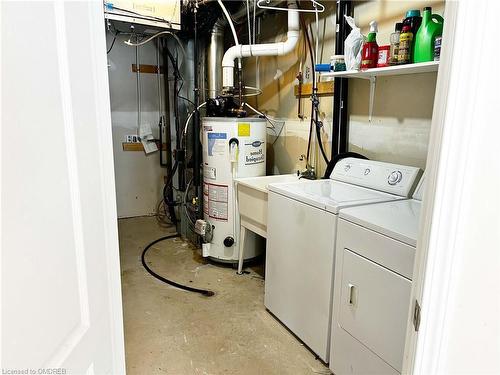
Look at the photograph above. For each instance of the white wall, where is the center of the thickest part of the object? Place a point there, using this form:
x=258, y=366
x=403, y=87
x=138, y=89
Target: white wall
x=400, y=127
x=139, y=177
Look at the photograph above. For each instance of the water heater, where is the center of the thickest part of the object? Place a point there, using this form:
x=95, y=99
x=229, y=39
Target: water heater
x=232, y=148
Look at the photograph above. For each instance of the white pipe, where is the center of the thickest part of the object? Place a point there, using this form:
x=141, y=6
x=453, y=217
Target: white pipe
x=265, y=49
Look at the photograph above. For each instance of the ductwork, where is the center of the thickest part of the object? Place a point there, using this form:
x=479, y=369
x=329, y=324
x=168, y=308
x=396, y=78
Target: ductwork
x=215, y=53
x=265, y=49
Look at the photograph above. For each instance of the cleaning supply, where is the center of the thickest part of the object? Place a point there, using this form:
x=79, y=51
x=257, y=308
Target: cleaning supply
x=338, y=63
x=437, y=48
x=383, y=56
x=431, y=28
x=405, y=42
x=394, y=39
x=414, y=20
x=369, y=56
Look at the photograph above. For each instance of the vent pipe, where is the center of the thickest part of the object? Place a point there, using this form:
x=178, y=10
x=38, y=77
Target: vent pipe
x=215, y=52
x=264, y=49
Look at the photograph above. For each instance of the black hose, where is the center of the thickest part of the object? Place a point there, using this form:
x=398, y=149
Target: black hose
x=112, y=44
x=314, y=103
x=168, y=195
x=339, y=157
x=308, y=42
x=207, y=293
x=321, y=147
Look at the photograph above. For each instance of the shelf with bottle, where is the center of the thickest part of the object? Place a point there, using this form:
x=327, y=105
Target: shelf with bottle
x=394, y=70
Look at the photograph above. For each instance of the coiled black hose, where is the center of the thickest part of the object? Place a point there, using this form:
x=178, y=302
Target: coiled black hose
x=207, y=293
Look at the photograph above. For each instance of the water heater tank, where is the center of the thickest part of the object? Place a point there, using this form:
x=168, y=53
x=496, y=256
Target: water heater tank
x=232, y=148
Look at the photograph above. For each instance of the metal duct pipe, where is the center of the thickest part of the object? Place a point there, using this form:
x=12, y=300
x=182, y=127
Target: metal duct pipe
x=215, y=52
x=265, y=49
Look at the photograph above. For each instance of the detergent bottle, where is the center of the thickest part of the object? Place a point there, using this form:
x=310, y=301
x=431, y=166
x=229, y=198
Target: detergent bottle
x=431, y=27
x=369, y=56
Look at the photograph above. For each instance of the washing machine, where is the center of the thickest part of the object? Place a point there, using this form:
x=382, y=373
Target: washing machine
x=373, y=274
x=300, y=250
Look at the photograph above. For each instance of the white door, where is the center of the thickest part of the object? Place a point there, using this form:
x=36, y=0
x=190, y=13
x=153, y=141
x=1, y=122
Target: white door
x=61, y=296
x=374, y=306
x=456, y=279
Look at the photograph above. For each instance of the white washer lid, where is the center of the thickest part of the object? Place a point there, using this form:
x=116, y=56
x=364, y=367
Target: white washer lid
x=397, y=220
x=330, y=195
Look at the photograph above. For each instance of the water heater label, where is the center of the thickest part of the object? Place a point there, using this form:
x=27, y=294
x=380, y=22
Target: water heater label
x=216, y=198
x=217, y=193
x=210, y=172
x=217, y=210
x=217, y=144
x=254, y=152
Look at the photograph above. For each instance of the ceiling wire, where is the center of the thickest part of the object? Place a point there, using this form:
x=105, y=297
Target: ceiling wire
x=254, y=17
x=318, y=7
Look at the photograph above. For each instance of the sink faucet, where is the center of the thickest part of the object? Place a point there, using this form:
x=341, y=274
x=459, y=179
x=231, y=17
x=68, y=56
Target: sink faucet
x=308, y=173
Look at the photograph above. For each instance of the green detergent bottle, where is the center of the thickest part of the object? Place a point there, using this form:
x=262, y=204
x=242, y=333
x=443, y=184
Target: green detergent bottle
x=431, y=27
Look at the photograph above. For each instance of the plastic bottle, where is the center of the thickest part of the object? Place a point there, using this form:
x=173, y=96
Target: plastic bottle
x=432, y=27
x=369, y=56
x=414, y=20
x=395, y=43
x=405, y=42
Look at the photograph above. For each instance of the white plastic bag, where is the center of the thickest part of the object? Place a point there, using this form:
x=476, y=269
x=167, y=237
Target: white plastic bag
x=353, y=46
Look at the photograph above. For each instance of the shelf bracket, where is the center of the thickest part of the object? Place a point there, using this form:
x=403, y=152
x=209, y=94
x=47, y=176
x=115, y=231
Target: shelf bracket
x=373, y=83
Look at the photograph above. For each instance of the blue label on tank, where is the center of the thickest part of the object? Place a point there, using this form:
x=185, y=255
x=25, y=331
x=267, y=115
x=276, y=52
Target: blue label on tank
x=217, y=135
x=216, y=139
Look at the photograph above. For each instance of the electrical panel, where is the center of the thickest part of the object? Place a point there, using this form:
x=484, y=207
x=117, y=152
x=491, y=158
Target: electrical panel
x=148, y=14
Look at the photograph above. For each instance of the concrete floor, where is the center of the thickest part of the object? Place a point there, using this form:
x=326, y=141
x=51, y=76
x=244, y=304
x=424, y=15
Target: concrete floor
x=170, y=331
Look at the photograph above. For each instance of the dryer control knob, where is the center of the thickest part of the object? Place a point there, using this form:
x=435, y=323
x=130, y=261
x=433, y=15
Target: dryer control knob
x=394, y=177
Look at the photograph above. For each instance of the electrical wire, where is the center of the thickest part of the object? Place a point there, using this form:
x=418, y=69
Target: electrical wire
x=147, y=40
x=315, y=4
x=186, y=99
x=204, y=292
x=191, y=116
x=165, y=32
x=249, y=27
x=271, y=121
x=112, y=43
x=246, y=95
x=254, y=17
x=278, y=135
x=168, y=188
x=230, y=21
x=188, y=215
x=317, y=34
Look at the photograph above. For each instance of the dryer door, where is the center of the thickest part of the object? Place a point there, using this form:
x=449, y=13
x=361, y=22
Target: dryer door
x=374, y=307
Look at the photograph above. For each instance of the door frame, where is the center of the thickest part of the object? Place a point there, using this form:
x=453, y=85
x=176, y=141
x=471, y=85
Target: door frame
x=453, y=150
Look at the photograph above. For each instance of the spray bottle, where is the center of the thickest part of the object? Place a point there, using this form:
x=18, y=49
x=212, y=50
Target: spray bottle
x=369, y=55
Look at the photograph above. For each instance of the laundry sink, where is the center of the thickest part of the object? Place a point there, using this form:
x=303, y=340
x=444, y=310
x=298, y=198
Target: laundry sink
x=252, y=205
x=252, y=200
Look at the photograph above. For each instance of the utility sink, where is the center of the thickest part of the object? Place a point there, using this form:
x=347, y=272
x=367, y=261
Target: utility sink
x=252, y=205
x=252, y=200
